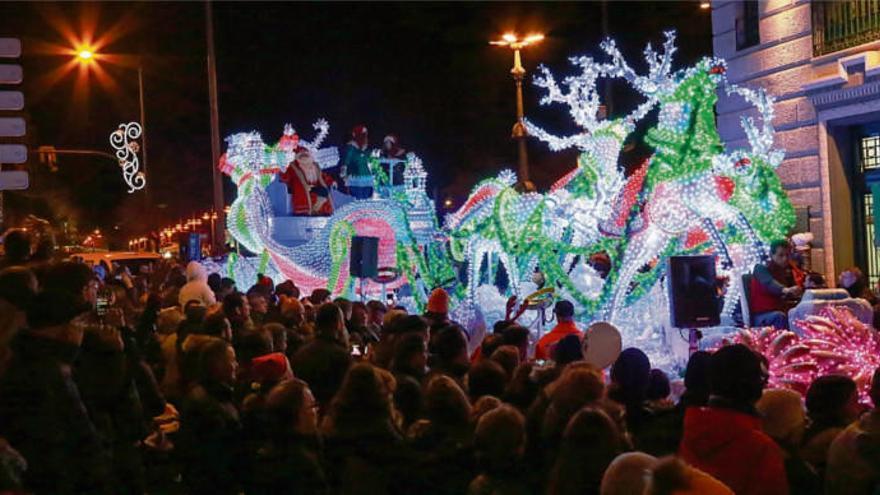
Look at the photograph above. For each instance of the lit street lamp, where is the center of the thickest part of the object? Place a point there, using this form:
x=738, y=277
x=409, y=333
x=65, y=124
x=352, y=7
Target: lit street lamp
x=87, y=55
x=213, y=218
x=519, y=133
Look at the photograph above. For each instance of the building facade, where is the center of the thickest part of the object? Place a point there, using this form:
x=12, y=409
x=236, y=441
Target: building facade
x=821, y=61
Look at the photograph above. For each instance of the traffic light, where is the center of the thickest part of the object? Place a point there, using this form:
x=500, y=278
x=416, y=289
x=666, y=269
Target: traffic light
x=48, y=157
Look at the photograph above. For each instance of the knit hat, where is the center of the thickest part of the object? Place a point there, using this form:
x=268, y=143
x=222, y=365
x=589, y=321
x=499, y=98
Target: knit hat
x=270, y=368
x=290, y=304
x=438, y=302
x=782, y=412
x=627, y=474
x=703, y=483
x=391, y=316
x=672, y=475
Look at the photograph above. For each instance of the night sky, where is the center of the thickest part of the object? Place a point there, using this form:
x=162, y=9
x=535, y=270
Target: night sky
x=423, y=71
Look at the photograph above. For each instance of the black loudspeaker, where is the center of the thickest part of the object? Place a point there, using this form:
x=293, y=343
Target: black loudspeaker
x=693, y=299
x=364, y=259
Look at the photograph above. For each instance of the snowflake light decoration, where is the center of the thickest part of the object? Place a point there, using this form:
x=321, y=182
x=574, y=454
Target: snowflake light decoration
x=123, y=140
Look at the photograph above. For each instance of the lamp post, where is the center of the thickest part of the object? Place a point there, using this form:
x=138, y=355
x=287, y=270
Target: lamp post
x=85, y=56
x=519, y=133
x=212, y=216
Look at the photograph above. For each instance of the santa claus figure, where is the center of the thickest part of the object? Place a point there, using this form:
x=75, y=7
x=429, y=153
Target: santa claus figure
x=308, y=185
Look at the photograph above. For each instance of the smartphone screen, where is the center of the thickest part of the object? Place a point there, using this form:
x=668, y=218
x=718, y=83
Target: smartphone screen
x=102, y=302
x=101, y=305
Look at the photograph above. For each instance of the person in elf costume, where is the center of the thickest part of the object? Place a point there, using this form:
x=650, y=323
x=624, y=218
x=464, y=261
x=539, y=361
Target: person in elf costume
x=355, y=168
x=308, y=185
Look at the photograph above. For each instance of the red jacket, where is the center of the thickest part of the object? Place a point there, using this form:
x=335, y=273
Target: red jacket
x=762, y=300
x=730, y=446
x=545, y=343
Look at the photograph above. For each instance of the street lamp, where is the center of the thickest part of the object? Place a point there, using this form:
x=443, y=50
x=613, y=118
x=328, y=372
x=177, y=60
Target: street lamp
x=519, y=133
x=86, y=55
x=212, y=216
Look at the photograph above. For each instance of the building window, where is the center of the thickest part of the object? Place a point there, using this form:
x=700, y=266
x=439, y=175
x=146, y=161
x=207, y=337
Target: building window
x=870, y=147
x=840, y=25
x=747, y=33
x=871, y=252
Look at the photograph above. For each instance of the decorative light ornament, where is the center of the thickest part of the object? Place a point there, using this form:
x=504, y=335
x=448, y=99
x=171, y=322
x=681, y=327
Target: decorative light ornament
x=123, y=140
x=600, y=238
x=831, y=342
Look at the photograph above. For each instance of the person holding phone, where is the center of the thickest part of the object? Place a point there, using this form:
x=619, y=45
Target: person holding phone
x=42, y=411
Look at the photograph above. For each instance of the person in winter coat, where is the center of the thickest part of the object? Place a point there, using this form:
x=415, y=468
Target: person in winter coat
x=210, y=430
x=41, y=412
x=725, y=438
x=442, y=440
x=18, y=285
x=854, y=457
x=196, y=288
x=499, y=442
x=323, y=362
x=121, y=395
x=590, y=442
x=286, y=459
x=783, y=419
x=832, y=404
x=364, y=449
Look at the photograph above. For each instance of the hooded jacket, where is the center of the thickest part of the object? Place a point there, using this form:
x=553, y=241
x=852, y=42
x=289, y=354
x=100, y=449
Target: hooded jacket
x=196, y=287
x=730, y=446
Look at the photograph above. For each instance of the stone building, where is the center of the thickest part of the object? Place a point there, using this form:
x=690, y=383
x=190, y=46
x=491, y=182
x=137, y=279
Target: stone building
x=821, y=60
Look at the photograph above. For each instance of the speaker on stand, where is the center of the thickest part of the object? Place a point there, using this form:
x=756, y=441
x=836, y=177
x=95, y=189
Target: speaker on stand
x=693, y=297
x=364, y=259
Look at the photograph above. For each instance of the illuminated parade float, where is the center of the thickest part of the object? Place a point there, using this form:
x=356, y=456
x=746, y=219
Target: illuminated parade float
x=599, y=237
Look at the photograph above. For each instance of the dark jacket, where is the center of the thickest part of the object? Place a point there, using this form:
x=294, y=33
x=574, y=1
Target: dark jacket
x=121, y=396
x=288, y=466
x=118, y=388
x=371, y=459
x=658, y=431
x=44, y=418
x=443, y=457
x=209, y=441
x=322, y=363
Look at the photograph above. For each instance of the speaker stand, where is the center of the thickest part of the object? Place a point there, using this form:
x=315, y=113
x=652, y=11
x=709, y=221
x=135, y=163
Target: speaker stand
x=694, y=337
x=363, y=288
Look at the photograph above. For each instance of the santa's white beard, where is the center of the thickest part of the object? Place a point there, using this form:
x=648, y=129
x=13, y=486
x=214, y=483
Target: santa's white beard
x=310, y=171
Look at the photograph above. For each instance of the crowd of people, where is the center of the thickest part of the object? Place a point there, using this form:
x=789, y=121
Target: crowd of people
x=172, y=380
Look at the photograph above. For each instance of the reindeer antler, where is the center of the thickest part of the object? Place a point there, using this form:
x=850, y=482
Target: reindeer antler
x=582, y=97
x=659, y=66
x=760, y=139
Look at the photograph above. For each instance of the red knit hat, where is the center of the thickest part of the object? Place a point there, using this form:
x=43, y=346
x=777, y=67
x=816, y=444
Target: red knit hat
x=438, y=302
x=358, y=130
x=271, y=368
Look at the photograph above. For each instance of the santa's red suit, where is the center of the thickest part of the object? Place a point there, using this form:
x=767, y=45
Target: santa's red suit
x=308, y=185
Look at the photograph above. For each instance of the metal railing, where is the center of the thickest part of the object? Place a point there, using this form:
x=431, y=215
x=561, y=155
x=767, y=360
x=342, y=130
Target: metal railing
x=838, y=25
